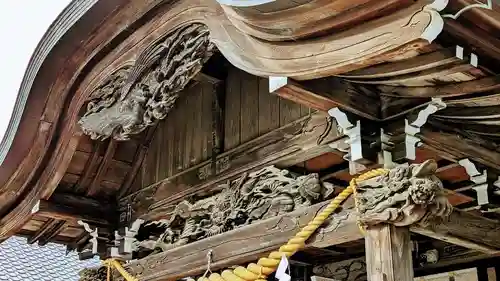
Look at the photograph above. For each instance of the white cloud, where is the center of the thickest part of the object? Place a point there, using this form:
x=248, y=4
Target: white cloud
x=22, y=25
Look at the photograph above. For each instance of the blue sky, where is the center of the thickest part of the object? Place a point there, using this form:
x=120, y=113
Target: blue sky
x=22, y=25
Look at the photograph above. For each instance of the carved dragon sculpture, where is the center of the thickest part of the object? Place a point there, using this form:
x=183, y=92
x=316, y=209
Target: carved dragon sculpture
x=137, y=96
x=260, y=195
x=404, y=196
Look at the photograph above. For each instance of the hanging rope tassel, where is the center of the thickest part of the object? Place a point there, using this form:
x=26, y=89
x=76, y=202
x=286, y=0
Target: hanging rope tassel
x=265, y=266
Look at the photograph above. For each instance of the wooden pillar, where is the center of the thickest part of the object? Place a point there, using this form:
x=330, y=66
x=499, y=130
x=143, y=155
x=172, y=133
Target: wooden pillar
x=388, y=253
x=389, y=205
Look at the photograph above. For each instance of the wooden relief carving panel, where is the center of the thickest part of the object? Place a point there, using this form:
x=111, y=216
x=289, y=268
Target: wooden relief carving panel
x=267, y=193
x=348, y=270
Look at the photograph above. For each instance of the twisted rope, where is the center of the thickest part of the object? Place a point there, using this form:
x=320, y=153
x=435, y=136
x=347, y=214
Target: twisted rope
x=267, y=265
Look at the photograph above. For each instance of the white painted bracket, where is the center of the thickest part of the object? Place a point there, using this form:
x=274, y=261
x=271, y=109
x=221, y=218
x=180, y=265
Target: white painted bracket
x=126, y=244
x=276, y=82
x=93, y=233
x=386, y=154
x=459, y=53
x=413, y=128
x=351, y=130
x=480, y=180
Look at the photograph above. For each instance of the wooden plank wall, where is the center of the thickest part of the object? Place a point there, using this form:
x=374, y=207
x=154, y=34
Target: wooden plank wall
x=252, y=111
x=184, y=138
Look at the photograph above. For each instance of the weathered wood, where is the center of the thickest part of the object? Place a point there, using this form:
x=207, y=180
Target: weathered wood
x=258, y=239
x=388, y=253
x=233, y=102
x=264, y=236
x=103, y=167
x=45, y=228
x=250, y=107
x=490, y=83
x=59, y=211
x=90, y=168
x=53, y=231
x=456, y=147
x=467, y=230
x=327, y=93
x=140, y=154
x=310, y=134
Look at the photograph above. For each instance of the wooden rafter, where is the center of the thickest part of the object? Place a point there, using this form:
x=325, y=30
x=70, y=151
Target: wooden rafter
x=50, y=229
x=103, y=167
x=52, y=233
x=74, y=208
x=137, y=162
x=324, y=94
x=90, y=167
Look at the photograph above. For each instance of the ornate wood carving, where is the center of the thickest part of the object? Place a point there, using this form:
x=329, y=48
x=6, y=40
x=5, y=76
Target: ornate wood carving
x=260, y=237
x=93, y=274
x=404, y=196
x=302, y=139
x=134, y=98
x=348, y=270
x=260, y=195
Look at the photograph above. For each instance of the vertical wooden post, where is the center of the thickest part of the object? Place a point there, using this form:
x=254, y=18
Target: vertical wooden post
x=388, y=253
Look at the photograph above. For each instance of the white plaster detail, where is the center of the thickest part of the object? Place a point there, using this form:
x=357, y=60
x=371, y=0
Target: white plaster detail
x=480, y=180
x=351, y=130
x=276, y=82
x=488, y=6
x=459, y=52
x=93, y=233
x=436, y=25
x=413, y=128
x=438, y=5
x=474, y=61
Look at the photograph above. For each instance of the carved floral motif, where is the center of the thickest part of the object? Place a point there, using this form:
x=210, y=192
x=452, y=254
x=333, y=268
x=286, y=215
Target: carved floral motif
x=134, y=98
x=260, y=195
x=404, y=196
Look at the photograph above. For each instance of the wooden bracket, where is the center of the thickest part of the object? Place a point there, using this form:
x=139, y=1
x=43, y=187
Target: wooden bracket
x=480, y=180
x=353, y=131
x=94, y=234
x=125, y=238
x=412, y=141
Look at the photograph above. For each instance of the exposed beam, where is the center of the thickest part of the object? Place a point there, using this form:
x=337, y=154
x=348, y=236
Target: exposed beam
x=450, y=90
x=264, y=236
x=140, y=154
x=48, y=230
x=90, y=167
x=326, y=93
x=103, y=167
x=455, y=147
x=53, y=232
x=305, y=138
x=481, y=233
x=73, y=208
x=258, y=238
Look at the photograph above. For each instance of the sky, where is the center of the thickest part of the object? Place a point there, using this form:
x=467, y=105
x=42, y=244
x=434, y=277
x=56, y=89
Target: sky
x=22, y=25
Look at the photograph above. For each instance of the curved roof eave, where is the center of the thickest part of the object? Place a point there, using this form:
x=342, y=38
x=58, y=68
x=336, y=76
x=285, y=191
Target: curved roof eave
x=66, y=19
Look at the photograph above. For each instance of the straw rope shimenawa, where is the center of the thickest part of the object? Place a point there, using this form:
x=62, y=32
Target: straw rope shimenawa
x=267, y=265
